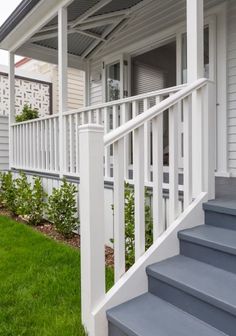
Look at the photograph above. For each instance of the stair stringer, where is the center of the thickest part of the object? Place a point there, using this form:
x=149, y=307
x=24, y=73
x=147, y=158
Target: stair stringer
x=134, y=281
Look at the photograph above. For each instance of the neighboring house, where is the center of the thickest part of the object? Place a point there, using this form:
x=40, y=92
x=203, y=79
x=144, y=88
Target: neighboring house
x=76, y=81
x=160, y=87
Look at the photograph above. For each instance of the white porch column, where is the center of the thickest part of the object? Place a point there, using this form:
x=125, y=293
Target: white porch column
x=62, y=82
x=195, y=66
x=11, y=79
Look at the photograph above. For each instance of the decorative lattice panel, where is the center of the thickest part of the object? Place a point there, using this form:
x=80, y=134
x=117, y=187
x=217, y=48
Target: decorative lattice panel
x=34, y=93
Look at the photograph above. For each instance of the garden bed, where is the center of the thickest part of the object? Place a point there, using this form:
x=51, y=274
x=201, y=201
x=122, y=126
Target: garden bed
x=49, y=229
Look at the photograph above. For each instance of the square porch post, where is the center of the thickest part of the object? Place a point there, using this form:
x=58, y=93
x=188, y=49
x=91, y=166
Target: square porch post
x=62, y=83
x=195, y=66
x=11, y=81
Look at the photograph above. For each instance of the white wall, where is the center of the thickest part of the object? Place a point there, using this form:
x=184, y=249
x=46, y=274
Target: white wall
x=4, y=154
x=148, y=21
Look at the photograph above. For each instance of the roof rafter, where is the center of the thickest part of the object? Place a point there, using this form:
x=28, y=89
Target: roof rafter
x=49, y=35
x=106, y=32
x=89, y=12
x=97, y=46
x=98, y=20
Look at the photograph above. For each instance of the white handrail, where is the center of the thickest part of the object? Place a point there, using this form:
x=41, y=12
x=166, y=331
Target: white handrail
x=52, y=116
x=128, y=99
x=151, y=94
x=136, y=122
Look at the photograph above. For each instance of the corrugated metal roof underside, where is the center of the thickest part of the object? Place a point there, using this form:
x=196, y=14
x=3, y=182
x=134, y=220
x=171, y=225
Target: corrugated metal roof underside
x=78, y=43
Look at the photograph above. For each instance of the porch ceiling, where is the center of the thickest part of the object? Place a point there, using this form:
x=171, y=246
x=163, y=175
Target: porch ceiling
x=90, y=23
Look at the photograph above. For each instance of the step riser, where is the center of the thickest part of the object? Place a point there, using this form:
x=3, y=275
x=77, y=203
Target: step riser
x=220, y=220
x=114, y=331
x=208, y=255
x=212, y=315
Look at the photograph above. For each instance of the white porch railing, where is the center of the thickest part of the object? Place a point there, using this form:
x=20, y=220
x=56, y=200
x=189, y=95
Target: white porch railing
x=36, y=142
x=198, y=120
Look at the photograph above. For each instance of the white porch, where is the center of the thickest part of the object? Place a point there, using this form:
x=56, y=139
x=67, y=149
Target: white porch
x=122, y=140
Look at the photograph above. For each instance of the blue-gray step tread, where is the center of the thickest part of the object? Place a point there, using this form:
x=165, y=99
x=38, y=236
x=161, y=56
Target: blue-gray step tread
x=210, y=236
x=208, y=283
x=220, y=207
x=148, y=315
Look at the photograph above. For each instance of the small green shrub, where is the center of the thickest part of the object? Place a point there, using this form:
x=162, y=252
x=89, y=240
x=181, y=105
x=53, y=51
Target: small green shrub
x=62, y=208
x=23, y=195
x=37, y=204
x=130, y=224
x=8, y=192
x=27, y=114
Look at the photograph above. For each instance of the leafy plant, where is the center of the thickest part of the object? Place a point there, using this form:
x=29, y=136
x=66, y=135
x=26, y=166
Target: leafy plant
x=8, y=192
x=27, y=113
x=130, y=224
x=37, y=204
x=62, y=208
x=23, y=195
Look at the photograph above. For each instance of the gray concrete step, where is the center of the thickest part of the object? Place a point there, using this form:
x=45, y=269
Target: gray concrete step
x=221, y=214
x=205, y=291
x=210, y=244
x=148, y=315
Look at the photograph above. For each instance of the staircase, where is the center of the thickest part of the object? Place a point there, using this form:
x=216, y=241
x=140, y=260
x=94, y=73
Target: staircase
x=193, y=293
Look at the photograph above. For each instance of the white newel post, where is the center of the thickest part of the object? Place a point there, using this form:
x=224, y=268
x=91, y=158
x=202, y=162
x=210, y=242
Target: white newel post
x=11, y=79
x=92, y=229
x=195, y=29
x=62, y=82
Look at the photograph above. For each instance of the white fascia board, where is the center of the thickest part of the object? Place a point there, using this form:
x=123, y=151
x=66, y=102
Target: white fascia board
x=38, y=17
x=49, y=56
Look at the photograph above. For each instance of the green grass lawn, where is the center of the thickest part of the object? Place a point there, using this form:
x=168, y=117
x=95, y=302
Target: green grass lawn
x=39, y=284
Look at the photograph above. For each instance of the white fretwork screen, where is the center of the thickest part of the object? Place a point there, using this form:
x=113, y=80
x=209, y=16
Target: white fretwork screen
x=34, y=93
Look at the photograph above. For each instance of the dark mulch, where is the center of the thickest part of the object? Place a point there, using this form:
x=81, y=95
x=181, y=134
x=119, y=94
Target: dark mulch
x=49, y=229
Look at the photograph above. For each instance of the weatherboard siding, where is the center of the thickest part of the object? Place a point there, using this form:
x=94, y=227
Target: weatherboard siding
x=232, y=87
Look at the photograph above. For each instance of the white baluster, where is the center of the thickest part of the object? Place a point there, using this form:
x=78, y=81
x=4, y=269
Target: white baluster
x=147, y=143
x=21, y=145
x=173, y=163
x=157, y=152
x=119, y=216
x=138, y=171
x=187, y=152
x=107, y=149
x=77, y=143
x=42, y=145
x=124, y=117
x=115, y=116
x=66, y=144
x=72, y=143
x=209, y=140
x=26, y=143
x=51, y=146
x=55, y=140
x=37, y=145
x=47, y=144
x=83, y=121
x=90, y=117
